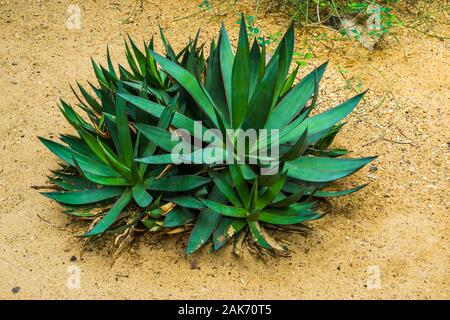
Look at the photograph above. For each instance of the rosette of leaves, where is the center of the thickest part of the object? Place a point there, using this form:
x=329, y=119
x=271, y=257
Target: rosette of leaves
x=98, y=178
x=241, y=91
x=120, y=168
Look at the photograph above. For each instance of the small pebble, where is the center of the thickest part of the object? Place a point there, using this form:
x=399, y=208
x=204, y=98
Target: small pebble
x=194, y=265
x=73, y=258
x=15, y=290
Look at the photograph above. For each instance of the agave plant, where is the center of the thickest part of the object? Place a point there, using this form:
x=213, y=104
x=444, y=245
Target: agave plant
x=126, y=156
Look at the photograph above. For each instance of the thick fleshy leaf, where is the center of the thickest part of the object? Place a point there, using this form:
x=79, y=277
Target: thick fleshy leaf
x=84, y=196
x=176, y=183
x=106, y=181
x=155, y=109
x=325, y=193
x=209, y=155
x=123, y=130
x=226, y=229
x=222, y=181
x=289, y=82
x=62, y=152
x=205, y=224
x=317, y=169
x=226, y=65
x=239, y=183
x=271, y=192
x=225, y=210
x=321, y=123
x=293, y=103
x=94, y=166
x=114, y=161
x=141, y=196
x=190, y=83
x=255, y=56
x=178, y=216
x=240, y=78
x=111, y=216
x=159, y=136
x=298, y=149
x=262, y=237
x=260, y=104
x=284, y=218
x=75, y=181
x=214, y=81
x=187, y=202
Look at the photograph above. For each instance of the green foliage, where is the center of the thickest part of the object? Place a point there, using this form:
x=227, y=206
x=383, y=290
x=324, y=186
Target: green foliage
x=120, y=169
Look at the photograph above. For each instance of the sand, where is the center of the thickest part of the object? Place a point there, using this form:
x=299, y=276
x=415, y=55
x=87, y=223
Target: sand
x=389, y=241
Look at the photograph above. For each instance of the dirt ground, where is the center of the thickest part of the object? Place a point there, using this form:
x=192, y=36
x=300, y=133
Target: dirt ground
x=394, y=233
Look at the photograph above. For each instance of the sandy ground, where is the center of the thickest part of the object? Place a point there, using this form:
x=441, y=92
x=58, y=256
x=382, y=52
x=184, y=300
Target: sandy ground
x=397, y=228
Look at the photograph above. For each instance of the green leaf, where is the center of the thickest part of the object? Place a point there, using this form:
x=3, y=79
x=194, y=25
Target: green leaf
x=270, y=193
x=91, y=165
x=123, y=129
x=224, y=209
x=240, y=78
x=221, y=180
x=324, y=193
x=226, y=229
x=255, y=56
x=205, y=224
x=214, y=81
x=93, y=143
x=289, y=82
x=260, y=103
x=287, y=201
x=298, y=149
x=111, y=216
x=321, y=123
x=90, y=99
x=84, y=196
x=107, y=181
x=262, y=237
x=293, y=103
x=281, y=218
x=159, y=136
x=190, y=83
x=155, y=109
x=178, y=216
x=187, y=202
x=239, y=183
x=226, y=64
x=176, y=183
x=141, y=196
x=62, y=152
x=317, y=169
x=114, y=161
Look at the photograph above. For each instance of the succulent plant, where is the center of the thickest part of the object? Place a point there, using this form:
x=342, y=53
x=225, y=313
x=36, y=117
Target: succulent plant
x=122, y=170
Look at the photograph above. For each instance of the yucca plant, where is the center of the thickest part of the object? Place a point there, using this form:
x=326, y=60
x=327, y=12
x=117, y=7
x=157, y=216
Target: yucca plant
x=223, y=191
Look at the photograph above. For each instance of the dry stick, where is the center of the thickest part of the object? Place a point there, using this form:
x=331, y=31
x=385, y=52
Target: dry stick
x=200, y=11
x=387, y=140
x=45, y=187
x=49, y=223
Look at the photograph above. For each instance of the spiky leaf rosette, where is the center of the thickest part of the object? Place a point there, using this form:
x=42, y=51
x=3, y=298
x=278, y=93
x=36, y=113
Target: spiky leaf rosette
x=240, y=91
x=224, y=196
x=99, y=177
